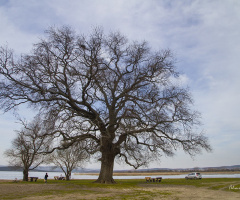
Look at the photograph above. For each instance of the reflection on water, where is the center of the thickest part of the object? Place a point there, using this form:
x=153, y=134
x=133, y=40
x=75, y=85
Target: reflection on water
x=11, y=175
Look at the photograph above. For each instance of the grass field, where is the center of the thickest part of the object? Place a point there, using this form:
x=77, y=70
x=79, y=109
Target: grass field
x=214, y=188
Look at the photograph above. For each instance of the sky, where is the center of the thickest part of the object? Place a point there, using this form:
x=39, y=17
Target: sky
x=203, y=35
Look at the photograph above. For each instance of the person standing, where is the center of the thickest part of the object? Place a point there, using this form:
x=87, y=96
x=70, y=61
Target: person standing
x=45, y=178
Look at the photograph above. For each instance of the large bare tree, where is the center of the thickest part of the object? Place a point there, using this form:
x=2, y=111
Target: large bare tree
x=118, y=94
x=27, y=147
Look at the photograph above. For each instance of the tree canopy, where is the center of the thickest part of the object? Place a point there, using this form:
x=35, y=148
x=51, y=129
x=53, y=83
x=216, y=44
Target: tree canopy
x=118, y=95
x=27, y=147
x=70, y=158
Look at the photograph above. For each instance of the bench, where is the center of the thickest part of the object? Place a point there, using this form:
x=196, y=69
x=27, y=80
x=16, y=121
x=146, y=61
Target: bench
x=157, y=179
x=148, y=179
x=32, y=179
x=16, y=180
x=59, y=178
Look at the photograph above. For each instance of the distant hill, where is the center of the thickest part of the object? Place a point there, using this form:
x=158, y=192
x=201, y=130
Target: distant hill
x=9, y=168
x=221, y=168
x=80, y=170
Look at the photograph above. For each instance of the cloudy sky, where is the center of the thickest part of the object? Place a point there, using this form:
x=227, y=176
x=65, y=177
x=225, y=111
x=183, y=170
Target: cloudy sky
x=204, y=36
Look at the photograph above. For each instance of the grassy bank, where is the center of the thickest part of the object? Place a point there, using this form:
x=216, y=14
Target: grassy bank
x=124, y=189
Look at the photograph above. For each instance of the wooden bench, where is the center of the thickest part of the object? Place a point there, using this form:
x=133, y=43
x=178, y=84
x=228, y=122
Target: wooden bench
x=32, y=179
x=16, y=180
x=59, y=178
x=148, y=179
x=157, y=179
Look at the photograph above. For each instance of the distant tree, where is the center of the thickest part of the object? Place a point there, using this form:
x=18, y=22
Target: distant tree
x=70, y=158
x=120, y=95
x=27, y=147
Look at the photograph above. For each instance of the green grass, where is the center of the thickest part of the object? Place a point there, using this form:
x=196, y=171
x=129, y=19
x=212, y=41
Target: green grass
x=135, y=188
x=211, y=183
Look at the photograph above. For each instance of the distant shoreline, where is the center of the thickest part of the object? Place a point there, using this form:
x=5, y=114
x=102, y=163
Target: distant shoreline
x=159, y=173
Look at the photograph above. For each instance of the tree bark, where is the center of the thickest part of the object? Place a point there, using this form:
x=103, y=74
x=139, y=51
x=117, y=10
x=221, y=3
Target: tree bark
x=25, y=175
x=107, y=163
x=68, y=174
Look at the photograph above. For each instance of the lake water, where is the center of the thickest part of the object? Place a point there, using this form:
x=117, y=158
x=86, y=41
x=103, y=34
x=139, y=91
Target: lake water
x=11, y=175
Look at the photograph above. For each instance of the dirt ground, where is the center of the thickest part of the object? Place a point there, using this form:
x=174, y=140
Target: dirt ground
x=34, y=192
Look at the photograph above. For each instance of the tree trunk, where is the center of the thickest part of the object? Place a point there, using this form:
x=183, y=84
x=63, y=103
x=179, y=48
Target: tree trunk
x=67, y=178
x=68, y=175
x=106, y=172
x=25, y=174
